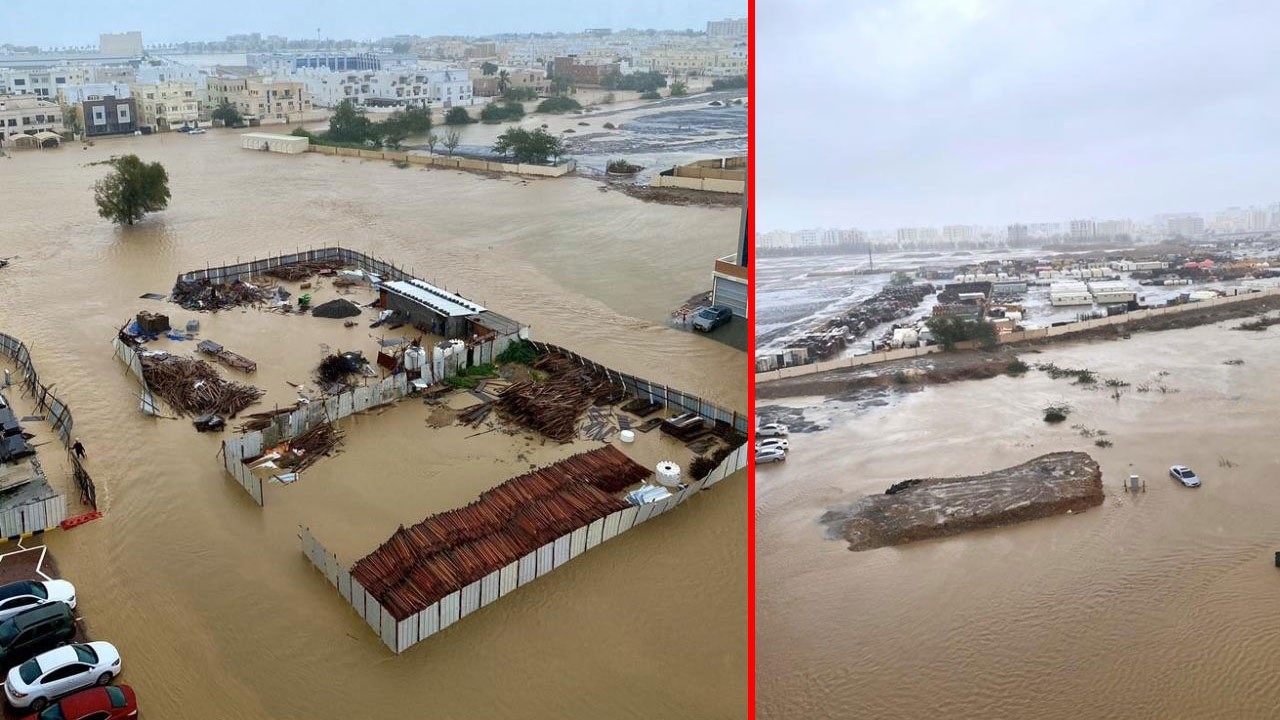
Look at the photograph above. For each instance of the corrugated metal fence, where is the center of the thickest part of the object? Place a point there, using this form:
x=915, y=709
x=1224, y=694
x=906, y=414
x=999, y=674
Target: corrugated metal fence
x=49, y=512
x=668, y=397
x=258, y=268
x=402, y=634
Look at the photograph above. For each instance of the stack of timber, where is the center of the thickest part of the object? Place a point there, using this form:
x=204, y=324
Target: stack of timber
x=204, y=295
x=421, y=564
x=226, y=357
x=304, y=270
x=193, y=387
x=553, y=407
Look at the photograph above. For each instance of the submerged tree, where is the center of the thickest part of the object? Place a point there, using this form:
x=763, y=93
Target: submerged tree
x=132, y=190
x=227, y=113
x=529, y=147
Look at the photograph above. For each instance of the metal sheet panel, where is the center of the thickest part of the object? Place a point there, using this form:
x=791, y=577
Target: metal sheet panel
x=528, y=568
x=33, y=517
x=373, y=612
x=627, y=518
x=429, y=621
x=449, y=609
x=510, y=579
x=489, y=587
x=388, y=633
x=470, y=599
x=593, y=533
x=55, y=509
x=644, y=512
x=577, y=542
x=344, y=404
x=546, y=559
x=560, y=555
x=331, y=569
x=406, y=632
x=357, y=597
x=610, y=527
x=344, y=584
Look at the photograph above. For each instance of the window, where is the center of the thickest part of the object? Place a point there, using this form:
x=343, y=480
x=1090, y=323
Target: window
x=117, y=696
x=19, y=82
x=64, y=672
x=60, y=81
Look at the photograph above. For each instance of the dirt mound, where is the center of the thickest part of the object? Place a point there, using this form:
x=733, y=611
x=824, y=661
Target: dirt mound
x=928, y=508
x=340, y=308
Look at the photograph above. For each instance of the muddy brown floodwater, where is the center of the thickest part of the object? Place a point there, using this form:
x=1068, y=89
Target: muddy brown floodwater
x=209, y=597
x=1154, y=605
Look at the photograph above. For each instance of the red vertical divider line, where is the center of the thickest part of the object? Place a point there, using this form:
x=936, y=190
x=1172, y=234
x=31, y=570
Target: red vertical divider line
x=752, y=99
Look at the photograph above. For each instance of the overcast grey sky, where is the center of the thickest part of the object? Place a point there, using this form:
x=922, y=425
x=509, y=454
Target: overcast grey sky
x=888, y=113
x=78, y=22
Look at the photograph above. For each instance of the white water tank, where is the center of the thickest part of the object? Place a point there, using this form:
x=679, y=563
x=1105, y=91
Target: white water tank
x=627, y=436
x=668, y=474
x=415, y=358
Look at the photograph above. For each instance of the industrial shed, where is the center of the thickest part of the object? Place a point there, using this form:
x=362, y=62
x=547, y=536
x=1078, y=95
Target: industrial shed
x=287, y=144
x=432, y=309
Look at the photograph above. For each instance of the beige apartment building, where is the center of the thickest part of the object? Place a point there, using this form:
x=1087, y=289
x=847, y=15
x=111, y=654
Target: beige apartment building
x=262, y=98
x=27, y=115
x=167, y=105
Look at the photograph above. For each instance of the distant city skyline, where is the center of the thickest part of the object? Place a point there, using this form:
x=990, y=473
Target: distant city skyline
x=79, y=22
x=893, y=113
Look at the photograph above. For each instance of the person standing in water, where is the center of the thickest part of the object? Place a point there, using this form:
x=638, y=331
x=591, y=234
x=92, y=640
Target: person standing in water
x=78, y=448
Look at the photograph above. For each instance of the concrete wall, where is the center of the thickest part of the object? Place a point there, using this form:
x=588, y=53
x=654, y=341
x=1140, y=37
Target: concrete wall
x=705, y=184
x=1006, y=339
x=452, y=163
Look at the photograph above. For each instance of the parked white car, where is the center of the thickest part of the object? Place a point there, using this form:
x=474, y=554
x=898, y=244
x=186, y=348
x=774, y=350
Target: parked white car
x=26, y=594
x=770, y=455
x=1184, y=475
x=772, y=430
x=774, y=442
x=60, y=671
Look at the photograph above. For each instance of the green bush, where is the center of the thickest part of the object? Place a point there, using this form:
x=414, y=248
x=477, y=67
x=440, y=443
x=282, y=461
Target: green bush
x=458, y=116
x=729, y=83
x=558, y=105
x=951, y=329
x=495, y=113
x=519, y=93
x=1016, y=367
x=520, y=352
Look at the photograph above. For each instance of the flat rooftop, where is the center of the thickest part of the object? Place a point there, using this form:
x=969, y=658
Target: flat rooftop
x=442, y=301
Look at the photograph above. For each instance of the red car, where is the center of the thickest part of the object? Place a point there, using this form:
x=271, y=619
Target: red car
x=112, y=702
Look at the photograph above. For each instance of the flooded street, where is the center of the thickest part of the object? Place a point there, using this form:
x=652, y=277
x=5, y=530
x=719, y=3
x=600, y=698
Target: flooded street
x=1156, y=604
x=209, y=597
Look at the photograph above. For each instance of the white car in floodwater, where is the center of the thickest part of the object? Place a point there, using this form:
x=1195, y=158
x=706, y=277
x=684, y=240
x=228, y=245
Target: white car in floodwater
x=26, y=594
x=1184, y=475
x=770, y=455
x=772, y=430
x=774, y=442
x=61, y=671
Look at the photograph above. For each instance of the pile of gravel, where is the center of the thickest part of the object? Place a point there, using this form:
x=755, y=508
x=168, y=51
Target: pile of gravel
x=340, y=308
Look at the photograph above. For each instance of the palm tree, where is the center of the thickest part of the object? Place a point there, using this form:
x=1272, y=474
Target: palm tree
x=504, y=81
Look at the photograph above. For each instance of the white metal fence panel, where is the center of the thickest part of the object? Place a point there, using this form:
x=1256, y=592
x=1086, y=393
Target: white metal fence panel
x=489, y=587
x=528, y=568
x=373, y=612
x=560, y=554
x=449, y=605
x=429, y=621
x=509, y=578
x=546, y=559
x=610, y=527
x=593, y=533
x=388, y=626
x=470, y=601
x=627, y=518
x=577, y=542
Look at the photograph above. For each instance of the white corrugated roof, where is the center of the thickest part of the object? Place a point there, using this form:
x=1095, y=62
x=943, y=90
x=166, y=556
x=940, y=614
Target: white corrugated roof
x=441, y=301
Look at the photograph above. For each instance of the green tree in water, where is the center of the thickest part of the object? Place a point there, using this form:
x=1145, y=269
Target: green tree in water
x=132, y=190
x=529, y=147
x=349, y=125
x=227, y=113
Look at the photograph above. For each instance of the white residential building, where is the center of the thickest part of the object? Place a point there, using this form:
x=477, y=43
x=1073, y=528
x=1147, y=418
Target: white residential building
x=153, y=74
x=167, y=105
x=23, y=115
x=41, y=82
x=388, y=88
x=76, y=94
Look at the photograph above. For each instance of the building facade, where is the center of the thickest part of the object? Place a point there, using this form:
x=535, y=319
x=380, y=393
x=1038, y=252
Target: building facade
x=128, y=43
x=41, y=82
x=28, y=115
x=108, y=115
x=167, y=105
x=265, y=99
x=727, y=28
x=580, y=73
x=386, y=88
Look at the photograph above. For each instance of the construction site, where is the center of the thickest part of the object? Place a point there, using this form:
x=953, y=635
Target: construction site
x=426, y=444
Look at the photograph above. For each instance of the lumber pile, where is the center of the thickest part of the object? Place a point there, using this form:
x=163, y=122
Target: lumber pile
x=419, y=565
x=193, y=387
x=307, y=449
x=304, y=270
x=204, y=295
x=554, y=406
x=262, y=420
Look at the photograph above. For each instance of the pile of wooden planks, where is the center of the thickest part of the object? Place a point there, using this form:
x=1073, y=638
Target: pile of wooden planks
x=204, y=295
x=421, y=564
x=226, y=357
x=304, y=270
x=553, y=407
x=193, y=387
